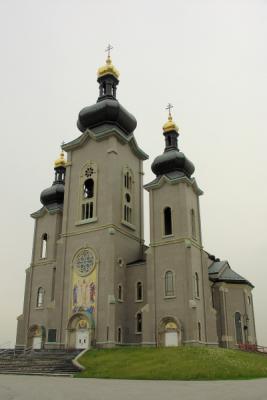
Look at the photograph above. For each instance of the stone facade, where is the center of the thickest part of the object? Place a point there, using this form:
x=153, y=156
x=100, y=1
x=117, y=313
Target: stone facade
x=92, y=281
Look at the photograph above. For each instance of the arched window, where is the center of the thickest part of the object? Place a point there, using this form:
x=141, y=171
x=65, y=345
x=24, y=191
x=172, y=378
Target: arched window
x=119, y=335
x=199, y=331
x=238, y=328
x=88, y=188
x=167, y=221
x=139, y=291
x=88, y=192
x=139, y=322
x=197, y=292
x=120, y=294
x=104, y=88
x=193, y=223
x=169, y=284
x=128, y=194
x=40, y=297
x=44, y=246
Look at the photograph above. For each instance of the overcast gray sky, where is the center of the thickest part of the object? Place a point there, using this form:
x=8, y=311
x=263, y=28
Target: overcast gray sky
x=207, y=57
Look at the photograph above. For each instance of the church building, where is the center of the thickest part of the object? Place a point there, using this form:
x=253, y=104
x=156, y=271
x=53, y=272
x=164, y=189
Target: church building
x=92, y=281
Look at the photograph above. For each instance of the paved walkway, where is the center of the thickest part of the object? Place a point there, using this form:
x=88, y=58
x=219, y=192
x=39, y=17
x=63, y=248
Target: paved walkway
x=14, y=387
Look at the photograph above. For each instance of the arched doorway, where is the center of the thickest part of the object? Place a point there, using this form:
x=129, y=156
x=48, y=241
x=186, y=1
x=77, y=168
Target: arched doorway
x=171, y=335
x=170, y=332
x=36, y=337
x=80, y=335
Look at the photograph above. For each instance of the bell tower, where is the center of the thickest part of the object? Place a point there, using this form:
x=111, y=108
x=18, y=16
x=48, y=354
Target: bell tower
x=103, y=216
x=176, y=272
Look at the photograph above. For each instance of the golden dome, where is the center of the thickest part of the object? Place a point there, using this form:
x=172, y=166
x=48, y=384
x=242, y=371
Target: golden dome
x=60, y=162
x=170, y=125
x=108, y=69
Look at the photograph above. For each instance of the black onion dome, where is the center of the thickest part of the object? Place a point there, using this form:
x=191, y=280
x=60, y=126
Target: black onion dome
x=172, y=160
x=107, y=111
x=53, y=195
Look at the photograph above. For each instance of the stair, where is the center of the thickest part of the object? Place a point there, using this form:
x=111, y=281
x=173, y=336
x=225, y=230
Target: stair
x=45, y=362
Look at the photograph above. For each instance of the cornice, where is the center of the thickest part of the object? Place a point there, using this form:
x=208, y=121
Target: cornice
x=44, y=210
x=184, y=240
x=100, y=228
x=41, y=263
x=156, y=184
x=103, y=134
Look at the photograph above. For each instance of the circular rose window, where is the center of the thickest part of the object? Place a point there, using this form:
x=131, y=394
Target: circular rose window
x=84, y=262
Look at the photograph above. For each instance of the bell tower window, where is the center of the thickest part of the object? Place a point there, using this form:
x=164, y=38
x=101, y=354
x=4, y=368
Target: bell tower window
x=127, y=197
x=88, y=193
x=167, y=221
x=88, y=189
x=139, y=291
x=44, y=246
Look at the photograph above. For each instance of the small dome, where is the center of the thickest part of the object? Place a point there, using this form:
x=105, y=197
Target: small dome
x=108, y=69
x=170, y=125
x=60, y=162
x=172, y=160
x=53, y=195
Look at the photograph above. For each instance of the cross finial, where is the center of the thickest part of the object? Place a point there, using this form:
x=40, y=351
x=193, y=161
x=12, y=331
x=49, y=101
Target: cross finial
x=169, y=107
x=108, y=49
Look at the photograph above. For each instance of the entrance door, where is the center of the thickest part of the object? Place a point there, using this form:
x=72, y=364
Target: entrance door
x=171, y=339
x=82, y=339
x=37, y=342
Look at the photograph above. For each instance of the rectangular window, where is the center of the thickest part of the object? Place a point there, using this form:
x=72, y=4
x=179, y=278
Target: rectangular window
x=86, y=211
x=91, y=210
x=52, y=335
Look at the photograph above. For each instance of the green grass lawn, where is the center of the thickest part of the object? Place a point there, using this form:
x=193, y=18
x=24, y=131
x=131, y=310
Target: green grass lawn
x=180, y=363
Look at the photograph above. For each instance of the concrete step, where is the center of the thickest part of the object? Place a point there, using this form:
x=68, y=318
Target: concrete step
x=40, y=363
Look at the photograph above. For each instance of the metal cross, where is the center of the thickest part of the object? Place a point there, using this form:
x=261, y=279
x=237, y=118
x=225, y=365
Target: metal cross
x=169, y=107
x=108, y=49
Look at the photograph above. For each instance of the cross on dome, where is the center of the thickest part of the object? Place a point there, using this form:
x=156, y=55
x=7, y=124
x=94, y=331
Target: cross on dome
x=169, y=126
x=108, y=49
x=169, y=107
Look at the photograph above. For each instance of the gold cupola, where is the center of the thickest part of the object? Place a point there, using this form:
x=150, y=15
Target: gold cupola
x=170, y=125
x=60, y=162
x=108, y=69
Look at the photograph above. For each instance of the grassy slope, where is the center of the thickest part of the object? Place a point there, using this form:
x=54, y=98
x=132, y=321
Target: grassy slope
x=184, y=363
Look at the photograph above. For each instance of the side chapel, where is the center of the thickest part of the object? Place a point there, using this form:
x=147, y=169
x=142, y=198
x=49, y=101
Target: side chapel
x=92, y=281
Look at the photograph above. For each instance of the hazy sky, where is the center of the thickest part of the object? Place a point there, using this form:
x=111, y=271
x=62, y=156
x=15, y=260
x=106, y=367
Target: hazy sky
x=208, y=58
